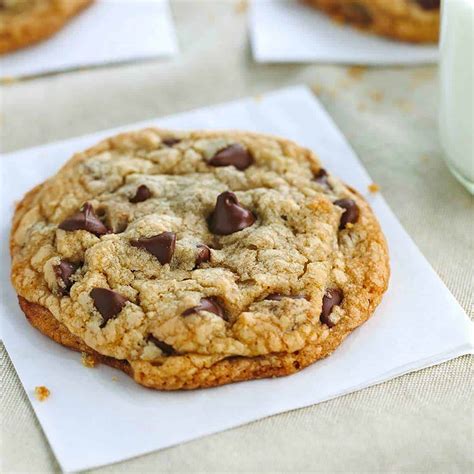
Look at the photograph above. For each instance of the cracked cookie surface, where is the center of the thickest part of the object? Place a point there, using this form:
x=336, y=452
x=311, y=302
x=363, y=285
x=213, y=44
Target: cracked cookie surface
x=414, y=21
x=197, y=259
x=25, y=22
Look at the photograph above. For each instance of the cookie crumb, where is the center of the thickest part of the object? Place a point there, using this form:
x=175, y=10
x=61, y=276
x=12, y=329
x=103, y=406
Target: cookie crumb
x=257, y=98
x=361, y=107
x=404, y=105
x=114, y=379
x=422, y=76
x=42, y=393
x=376, y=96
x=374, y=188
x=241, y=6
x=317, y=88
x=343, y=83
x=4, y=81
x=356, y=72
x=424, y=157
x=88, y=360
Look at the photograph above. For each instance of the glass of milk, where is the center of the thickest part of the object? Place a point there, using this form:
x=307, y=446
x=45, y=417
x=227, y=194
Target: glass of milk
x=456, y=72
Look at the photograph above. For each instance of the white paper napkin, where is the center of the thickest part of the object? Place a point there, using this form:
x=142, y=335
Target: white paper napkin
x=91, y=420
x=109, y=31
x=288, y=31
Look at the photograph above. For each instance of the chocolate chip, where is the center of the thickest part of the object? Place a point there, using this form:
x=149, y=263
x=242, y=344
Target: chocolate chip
x=350, y=214
x=63, y=271
x=161, y=246
x=142, y=194
x=229, y=216
x=321, y=177
x=235, y=155
x=203, y=254
x=207, y=304
x=166, y=348
x=429, y=4
x=279, y=297
x=85, y=219
x=333, y=297
x=107, y=302
x=170, y=141
x=357, y=13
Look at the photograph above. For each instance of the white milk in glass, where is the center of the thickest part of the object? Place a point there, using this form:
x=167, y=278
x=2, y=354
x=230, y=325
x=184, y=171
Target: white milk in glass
x=457, y=88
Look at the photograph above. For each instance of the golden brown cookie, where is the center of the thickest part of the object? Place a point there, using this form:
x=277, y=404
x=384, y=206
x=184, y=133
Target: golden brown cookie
x=415, y=21
x=25, y=22
x=195, y=259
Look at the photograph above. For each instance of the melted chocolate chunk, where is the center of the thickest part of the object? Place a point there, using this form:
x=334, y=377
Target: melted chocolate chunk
x=63, y=271
x=279, y=297
x=170, y=141
x=207, y=304
x=85, y=219
x=161, y=246
x=235, y=155
x=166, y=348
x=333, y=297
x=142, y=194
x=229, y=216
x=203, y=254
x=107, y=302
x=429, y=4
x=321, y=177
x=350, y=214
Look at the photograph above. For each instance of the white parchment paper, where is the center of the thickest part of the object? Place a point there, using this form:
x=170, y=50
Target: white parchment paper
x=109, y=31
x=99, y=416
x=289, y=31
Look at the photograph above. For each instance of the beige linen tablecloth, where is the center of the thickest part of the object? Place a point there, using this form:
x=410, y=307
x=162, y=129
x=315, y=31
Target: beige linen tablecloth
x=419, y=422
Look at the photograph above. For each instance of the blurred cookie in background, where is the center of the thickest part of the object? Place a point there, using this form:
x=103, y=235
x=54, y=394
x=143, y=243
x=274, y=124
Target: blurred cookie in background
x=25, y=22
x=415, y=21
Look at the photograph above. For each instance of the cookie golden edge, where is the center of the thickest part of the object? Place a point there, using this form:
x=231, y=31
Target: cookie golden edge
x=420, y=28
x=367, y=264
x=18, y=33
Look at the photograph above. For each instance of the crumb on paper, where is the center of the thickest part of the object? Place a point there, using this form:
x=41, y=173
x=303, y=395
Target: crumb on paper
x=356, y=72
x=241, y=6
x=88, y=360
x=257, y=98
x=361, y=107
x=374, y=188
x=114, y=378
x=376, y=96
x=424, y=157
x=317, y=88
x=42, y=393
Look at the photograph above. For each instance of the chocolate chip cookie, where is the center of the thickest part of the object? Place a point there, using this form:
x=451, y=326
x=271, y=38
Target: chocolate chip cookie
x=406, y=20
x=24, y=22
x=195, y=259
